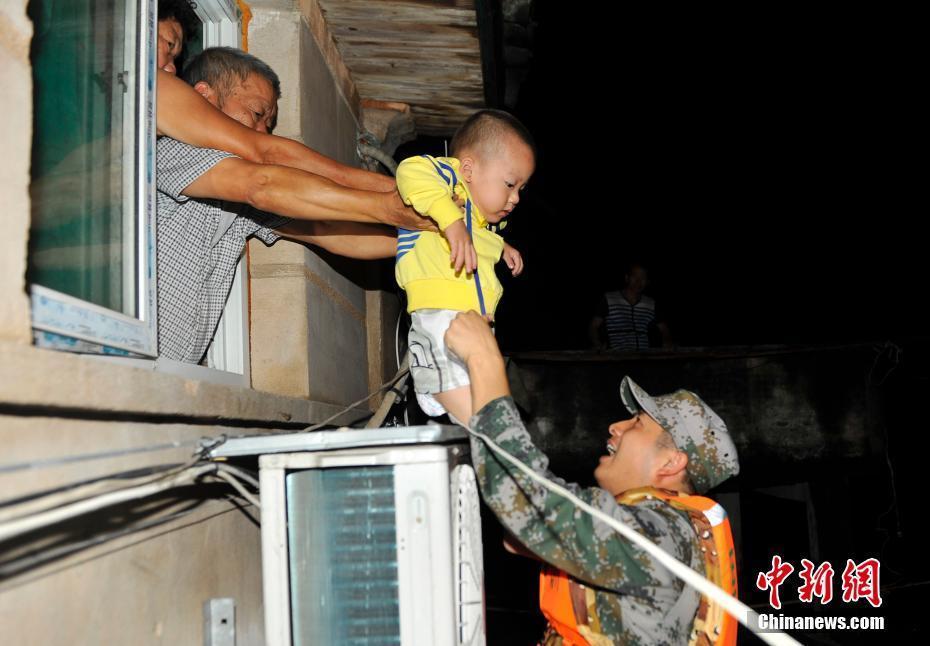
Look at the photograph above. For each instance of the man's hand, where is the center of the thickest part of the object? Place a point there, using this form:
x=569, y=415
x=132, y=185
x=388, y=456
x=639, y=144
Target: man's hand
x=403, y=216
x=463, y=251
x=513, y=259
x=469, y=336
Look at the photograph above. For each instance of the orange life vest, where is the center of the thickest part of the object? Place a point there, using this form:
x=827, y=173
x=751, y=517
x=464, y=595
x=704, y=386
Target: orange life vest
x=569, y=606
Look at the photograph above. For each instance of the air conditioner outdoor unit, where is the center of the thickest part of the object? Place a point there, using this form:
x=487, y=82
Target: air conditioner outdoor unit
x=370, y=537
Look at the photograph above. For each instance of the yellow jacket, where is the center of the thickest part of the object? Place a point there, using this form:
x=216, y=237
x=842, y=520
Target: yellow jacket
x=423, y=267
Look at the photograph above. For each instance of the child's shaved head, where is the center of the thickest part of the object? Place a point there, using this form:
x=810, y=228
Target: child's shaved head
x=485, y=131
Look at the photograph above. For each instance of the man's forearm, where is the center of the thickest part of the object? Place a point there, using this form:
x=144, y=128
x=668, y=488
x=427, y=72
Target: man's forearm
x=349, y=239
x=286, y=152
x=488, y=378
x=298, y=194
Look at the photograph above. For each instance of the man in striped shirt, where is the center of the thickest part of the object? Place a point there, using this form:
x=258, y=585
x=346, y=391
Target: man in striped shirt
x=629, y=315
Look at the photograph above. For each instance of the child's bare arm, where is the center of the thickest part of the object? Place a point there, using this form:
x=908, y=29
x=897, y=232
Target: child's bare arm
x=463, y=250
x=513, y=259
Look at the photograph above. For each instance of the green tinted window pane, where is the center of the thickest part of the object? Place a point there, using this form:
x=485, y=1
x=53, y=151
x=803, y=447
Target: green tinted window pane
x=82, y=155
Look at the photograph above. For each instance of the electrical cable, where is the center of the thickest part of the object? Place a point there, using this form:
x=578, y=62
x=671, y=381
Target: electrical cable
x=232, y=482
x=19, y=526
x=387, y=384
x=79, y=492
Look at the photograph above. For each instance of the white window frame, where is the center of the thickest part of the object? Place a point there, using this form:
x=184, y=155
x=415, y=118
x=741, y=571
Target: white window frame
x=64, y=322
x=229, y=349
x=220, y=23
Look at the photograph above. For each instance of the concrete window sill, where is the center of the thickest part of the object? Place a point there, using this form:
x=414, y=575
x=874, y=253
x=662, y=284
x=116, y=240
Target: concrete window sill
x=33, y=377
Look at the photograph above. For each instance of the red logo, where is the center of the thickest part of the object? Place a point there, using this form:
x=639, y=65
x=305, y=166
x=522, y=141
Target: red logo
x=772, y=579
x=817, y=583
x=859, y=581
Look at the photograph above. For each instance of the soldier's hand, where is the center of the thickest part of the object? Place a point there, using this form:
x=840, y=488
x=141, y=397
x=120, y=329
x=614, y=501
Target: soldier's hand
x=470, y=337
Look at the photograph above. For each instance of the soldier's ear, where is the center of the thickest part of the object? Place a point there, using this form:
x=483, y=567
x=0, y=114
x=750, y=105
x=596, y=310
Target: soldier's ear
x=676, y=462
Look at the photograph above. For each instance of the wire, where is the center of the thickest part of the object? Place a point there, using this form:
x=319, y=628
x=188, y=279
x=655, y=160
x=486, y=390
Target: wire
x=85, y=457
x=394, y=393
x=184, y=475
x=44, y=556
x=740, y=611
x=400, y=315
x=240, y=473
x=22, y=525
x=97, y=486
x=387, y=384
x=232, y=482
x=84, y=491
x=16, y=566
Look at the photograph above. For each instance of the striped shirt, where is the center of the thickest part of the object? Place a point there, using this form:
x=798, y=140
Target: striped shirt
x=628, y=324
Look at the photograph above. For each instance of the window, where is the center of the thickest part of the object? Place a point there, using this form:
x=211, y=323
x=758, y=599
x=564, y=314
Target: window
x=91, y=262
x=91, y=257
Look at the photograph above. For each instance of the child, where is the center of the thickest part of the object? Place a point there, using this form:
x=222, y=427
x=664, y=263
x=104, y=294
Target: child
x=493, y=156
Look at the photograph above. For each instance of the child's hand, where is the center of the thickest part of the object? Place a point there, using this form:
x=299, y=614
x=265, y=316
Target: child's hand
x=513, y=260
x=463, y=251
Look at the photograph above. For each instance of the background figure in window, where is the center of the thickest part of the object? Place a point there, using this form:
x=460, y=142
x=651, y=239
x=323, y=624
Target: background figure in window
x=178, y=25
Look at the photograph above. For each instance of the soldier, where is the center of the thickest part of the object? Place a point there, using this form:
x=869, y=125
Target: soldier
x=598, y=588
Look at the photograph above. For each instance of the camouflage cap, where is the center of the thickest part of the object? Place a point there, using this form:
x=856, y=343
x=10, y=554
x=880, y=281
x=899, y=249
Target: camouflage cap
x=696, y=428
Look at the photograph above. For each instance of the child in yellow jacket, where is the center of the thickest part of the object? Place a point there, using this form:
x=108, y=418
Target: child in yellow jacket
x=493, y=156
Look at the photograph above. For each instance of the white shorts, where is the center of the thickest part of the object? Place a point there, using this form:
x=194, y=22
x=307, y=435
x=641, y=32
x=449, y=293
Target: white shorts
x=434, y=368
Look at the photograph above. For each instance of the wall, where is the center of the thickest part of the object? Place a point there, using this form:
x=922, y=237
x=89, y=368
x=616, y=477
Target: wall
x=312, y=304
x=139, y=573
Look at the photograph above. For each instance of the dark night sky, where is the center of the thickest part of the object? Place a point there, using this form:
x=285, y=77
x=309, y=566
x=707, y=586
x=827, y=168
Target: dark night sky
x=756, y=164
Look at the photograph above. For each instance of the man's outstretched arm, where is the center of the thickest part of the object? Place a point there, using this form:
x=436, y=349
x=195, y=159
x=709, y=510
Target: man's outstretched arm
x=184, y=115
x=297, y=194
x=349, y=239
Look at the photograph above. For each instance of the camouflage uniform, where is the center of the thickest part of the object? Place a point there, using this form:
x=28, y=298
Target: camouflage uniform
x=638, y=601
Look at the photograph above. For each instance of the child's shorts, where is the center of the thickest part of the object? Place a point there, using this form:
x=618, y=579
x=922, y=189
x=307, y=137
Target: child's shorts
x=434, y=367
